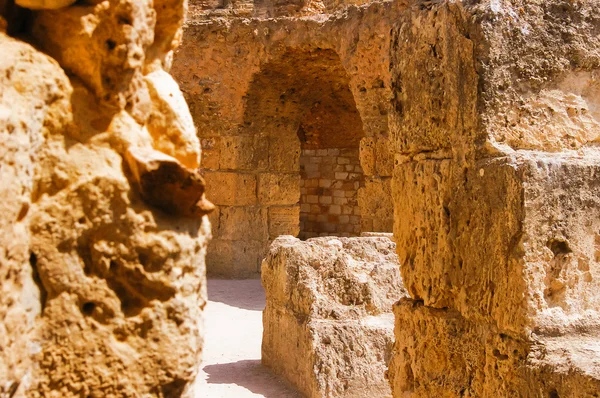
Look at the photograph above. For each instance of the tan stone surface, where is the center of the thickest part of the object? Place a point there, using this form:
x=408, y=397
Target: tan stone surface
x=103, y=235
x=283, y=221
x=170, y=123
x=234, y=257
x=513, y=241
x=104, y=45
x=327, y=322
x=261, y=91
x=475, y=359
x=375, y=202
x=494, y=127
x=278, y=189
x=33, y=99
x=231, y=189
x=466, y=81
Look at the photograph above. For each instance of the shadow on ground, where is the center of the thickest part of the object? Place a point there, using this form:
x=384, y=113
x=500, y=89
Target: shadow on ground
x=228, y=292
x=257, y=379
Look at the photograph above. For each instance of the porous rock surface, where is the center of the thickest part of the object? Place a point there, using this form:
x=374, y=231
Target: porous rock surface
x=328, y=322
x=495, y=128
x=102, y=284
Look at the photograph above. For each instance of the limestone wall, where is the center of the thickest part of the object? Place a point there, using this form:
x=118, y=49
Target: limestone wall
x=102, y=228
x=494, y=124
x=208, y=9
x=262, y=90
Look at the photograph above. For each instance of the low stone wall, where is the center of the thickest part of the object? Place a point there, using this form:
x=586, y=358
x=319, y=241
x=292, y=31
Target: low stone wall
x=328, y=326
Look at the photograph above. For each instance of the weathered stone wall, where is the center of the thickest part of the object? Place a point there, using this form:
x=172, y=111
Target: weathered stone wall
x=252, y=86
x=103, y=233
x=208, y=9
x=494, y=124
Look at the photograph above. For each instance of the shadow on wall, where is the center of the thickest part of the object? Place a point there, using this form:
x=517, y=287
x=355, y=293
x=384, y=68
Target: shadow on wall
x=251, y=375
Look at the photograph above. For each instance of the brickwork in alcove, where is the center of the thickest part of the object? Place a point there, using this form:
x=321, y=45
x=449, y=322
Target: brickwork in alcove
x=330, y=179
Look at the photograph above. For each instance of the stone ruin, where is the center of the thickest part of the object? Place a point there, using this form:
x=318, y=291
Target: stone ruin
x=470, y=128
x=292, y=114
x=328, y=324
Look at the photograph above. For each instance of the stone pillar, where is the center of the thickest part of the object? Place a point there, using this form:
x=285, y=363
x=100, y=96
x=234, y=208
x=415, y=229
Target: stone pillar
x=497, y=211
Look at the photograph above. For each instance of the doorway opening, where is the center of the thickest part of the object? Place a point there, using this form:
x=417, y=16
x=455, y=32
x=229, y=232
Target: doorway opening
x=330, y=171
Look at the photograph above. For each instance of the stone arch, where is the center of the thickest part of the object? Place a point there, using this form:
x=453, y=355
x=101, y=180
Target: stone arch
x=298, y=100
x=301, y=105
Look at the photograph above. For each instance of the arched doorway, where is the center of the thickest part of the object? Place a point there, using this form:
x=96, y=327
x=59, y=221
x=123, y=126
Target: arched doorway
x=300, y=105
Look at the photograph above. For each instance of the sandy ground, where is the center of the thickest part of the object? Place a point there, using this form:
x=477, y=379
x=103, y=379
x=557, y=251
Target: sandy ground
x=231, y=366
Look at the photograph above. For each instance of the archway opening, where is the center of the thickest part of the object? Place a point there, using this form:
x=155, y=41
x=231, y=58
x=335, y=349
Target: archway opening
x=330, y=171
x=301, y=104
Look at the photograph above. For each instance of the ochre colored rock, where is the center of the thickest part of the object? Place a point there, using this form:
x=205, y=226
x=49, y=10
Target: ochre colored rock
x=34, y=99
x=327, y=323
x=170, y=124
x=440, y=353
x=44, y=4
x=163, y=182
x=104, y=45
x=268, y=94
x=494, y=125
x=103, y=235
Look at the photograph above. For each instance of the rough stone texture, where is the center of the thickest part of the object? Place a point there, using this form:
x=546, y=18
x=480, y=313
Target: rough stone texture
x=494, y=125
x=511, y=241
x=444, y=354
x=263, y=91
x=501, y=75
x=327, y=322
x=102, y=291
x=33, y=98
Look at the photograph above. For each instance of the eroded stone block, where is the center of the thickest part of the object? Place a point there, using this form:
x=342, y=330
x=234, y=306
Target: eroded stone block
x=224, y=257
x=376, y=205
x=240, y=223
x=104, y=45
x=437, y=352
x=278, y=189
x=231, y=189
x=327, y=320
x=284, y=221
x=510, y=241
x=170, y=123
x=163, y=182
x=243, y=153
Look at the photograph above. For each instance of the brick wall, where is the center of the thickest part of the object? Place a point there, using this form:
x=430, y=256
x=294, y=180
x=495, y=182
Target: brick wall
x=329, y=183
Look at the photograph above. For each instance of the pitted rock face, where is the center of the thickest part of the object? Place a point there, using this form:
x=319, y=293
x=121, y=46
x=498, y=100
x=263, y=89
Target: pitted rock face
x=495, y=124
x=328, y=322
x=107, y=281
